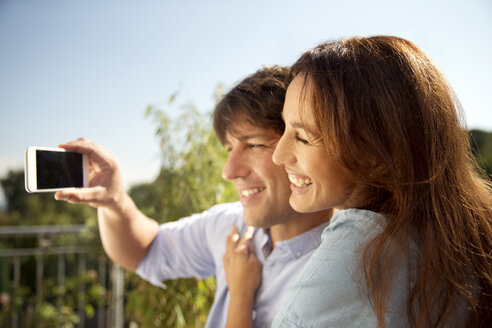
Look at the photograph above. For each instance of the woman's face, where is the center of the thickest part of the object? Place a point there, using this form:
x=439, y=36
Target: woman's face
x=318, y=181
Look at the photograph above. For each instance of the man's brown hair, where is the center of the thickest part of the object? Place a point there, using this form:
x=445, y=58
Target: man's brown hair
x=258, y=99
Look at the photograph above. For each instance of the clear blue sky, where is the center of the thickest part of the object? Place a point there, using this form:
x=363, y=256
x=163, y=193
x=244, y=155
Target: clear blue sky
x=89, y=68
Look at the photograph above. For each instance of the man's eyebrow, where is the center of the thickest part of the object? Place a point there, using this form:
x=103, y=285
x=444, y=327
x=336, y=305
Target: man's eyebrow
x=254, y=136
x=246, y=138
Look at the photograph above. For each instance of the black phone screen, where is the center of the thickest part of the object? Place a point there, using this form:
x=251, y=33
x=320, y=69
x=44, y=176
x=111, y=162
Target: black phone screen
x=55, y=169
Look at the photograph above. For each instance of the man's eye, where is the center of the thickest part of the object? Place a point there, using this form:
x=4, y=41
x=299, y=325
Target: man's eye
x=255, y=145
x=303, y=141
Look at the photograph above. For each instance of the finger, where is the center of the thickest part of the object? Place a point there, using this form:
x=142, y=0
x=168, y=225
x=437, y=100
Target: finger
x=246, y=238
x=249, y=233
x=231, y=240
x=234, y=234
x=81, y=145
x=93, y=195
x=90, y=148
x=229, y=245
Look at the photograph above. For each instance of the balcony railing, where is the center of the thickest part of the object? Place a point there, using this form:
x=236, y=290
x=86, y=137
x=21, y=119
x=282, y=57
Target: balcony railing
x=108, y=313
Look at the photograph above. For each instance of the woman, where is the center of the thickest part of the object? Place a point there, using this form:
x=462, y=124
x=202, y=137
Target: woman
x=373, y=129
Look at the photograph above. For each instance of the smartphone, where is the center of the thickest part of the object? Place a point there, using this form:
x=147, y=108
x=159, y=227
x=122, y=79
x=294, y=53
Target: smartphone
x=53, y=169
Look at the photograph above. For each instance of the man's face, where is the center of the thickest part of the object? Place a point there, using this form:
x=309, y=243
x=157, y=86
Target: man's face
x=263, y=187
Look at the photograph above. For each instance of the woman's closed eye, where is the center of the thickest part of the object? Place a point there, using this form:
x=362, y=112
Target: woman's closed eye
x=301, y=140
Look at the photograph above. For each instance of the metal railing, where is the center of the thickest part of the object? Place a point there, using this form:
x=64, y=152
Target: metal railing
x=108, y=315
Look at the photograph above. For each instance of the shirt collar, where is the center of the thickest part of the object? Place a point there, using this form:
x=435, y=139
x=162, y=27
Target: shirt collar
x=296, y=246
x=266, y=242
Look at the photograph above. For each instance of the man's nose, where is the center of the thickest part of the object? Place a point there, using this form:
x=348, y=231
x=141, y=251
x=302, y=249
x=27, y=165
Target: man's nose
x=235, y=166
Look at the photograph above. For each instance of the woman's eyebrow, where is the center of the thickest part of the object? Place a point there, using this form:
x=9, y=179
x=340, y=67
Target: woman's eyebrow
x=299, y=125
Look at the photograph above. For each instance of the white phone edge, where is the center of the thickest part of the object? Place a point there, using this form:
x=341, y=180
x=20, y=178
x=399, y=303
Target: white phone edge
x=30, y=170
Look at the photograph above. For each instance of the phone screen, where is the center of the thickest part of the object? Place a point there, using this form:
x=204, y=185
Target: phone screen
x=56, y=169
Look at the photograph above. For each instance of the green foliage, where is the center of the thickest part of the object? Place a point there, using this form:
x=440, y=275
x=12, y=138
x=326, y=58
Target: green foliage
x=39, y=209
x=481, y=142
x=60, y=303
x=184, y=303
x=190, y=178
x=58, y=306
x=189, y=182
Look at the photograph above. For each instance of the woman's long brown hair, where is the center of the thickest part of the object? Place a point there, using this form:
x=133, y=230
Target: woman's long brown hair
x=390, y=117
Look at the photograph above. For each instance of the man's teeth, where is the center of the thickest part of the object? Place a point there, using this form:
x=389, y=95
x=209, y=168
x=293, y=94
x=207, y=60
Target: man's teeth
x=300, y=182
x=249, y=192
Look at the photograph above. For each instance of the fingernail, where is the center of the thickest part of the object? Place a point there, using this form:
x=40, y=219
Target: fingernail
x=59, y=196
x=249, y=232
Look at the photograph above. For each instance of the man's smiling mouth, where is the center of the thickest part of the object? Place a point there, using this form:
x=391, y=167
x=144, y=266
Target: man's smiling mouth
x=252, y=191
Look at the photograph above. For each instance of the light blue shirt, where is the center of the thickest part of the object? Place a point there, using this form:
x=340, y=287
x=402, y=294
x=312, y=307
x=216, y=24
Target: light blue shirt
x=194, y=246
x=330, y=291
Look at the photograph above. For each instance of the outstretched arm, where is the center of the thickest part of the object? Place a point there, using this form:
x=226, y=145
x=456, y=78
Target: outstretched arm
x=243, y=276
x=126, y=233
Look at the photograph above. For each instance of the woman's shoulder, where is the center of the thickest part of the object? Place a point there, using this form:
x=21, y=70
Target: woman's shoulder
x=353, y=221
x=327, y=291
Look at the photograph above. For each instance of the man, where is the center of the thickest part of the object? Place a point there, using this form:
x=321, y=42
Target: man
x=248, y=122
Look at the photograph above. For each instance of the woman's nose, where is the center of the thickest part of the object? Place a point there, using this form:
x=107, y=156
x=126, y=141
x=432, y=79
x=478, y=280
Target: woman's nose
x=283, y=153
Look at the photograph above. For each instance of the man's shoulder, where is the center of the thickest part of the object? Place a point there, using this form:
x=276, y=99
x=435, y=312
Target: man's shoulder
x=235, y=208
x=225, y=212
x=221, y=214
